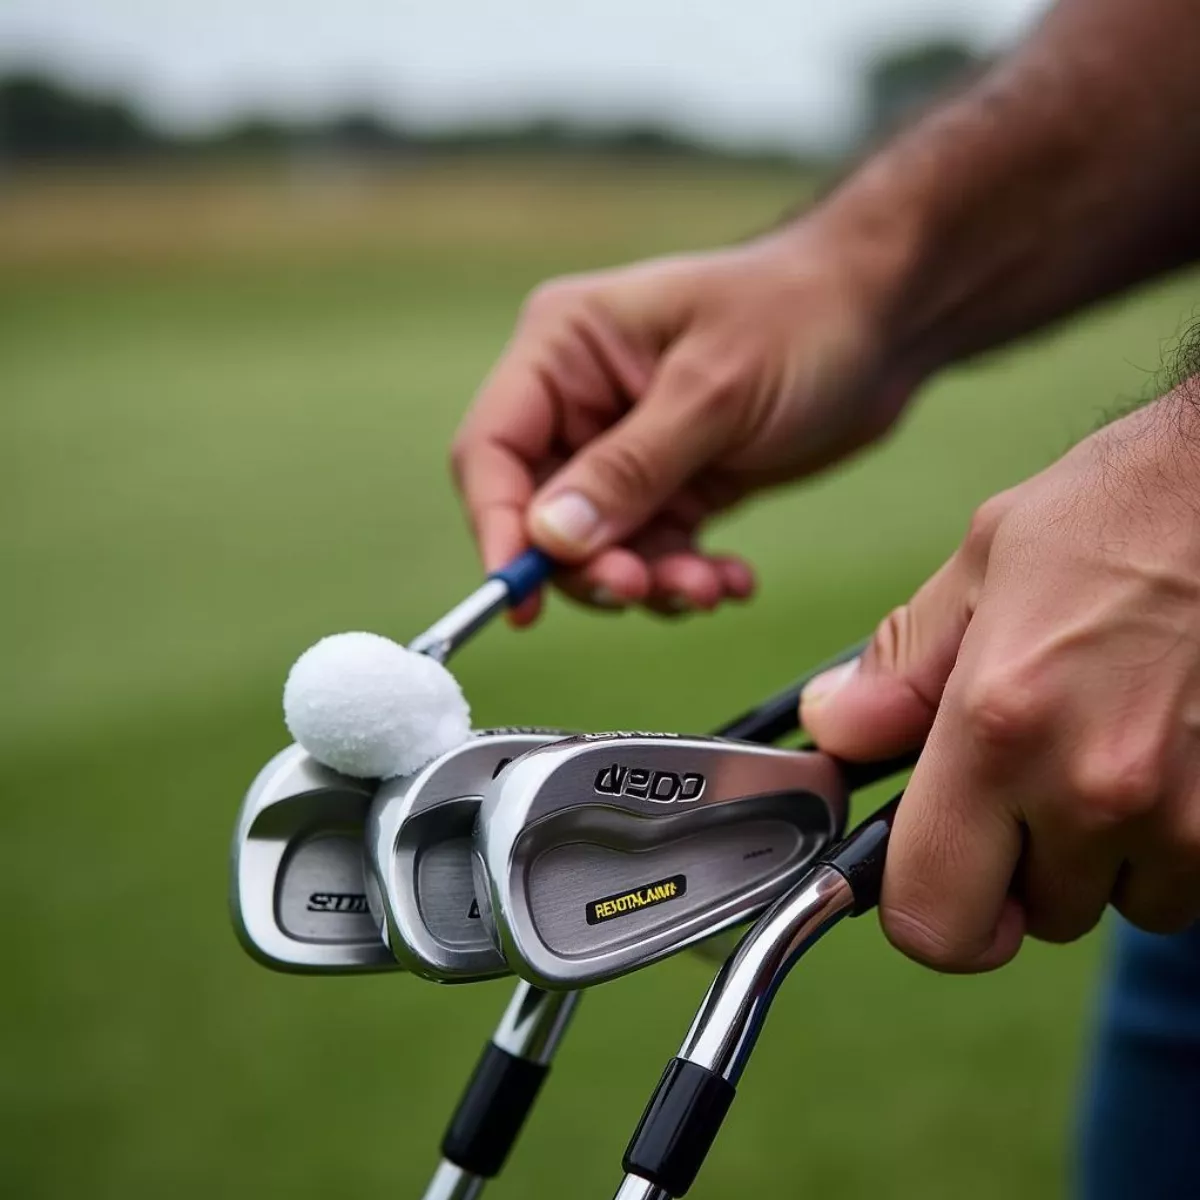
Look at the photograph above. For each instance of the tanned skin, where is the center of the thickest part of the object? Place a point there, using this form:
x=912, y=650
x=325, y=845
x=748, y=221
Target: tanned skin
x=1052, y=667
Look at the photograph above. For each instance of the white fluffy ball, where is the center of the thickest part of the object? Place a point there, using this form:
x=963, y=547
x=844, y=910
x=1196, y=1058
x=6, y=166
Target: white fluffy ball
x=367, y=707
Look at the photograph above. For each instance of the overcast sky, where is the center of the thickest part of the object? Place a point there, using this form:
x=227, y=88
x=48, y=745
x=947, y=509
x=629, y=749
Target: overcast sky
x=779, y=71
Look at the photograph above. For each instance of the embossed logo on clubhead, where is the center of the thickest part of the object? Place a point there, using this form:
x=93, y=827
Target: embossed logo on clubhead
x=661, y=787
x=338, y=902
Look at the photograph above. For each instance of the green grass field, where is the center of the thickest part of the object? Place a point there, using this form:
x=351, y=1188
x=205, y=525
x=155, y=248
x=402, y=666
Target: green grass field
x=225, y=413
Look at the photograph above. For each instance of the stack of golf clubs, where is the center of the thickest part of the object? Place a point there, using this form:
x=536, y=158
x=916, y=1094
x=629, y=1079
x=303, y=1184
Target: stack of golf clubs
x=568, y=860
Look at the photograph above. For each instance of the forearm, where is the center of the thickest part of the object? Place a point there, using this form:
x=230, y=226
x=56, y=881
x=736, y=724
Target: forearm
x=1070, y=171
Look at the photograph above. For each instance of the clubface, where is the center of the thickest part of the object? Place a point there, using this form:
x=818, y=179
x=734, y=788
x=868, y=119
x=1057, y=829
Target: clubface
x=418, y=854
x=298, y=894
x=597, y=855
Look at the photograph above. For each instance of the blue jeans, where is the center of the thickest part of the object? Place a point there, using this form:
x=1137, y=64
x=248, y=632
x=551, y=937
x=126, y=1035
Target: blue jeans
x=1141, y=1118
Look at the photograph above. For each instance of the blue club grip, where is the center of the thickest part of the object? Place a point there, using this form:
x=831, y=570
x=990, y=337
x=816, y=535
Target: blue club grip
x=524, y=575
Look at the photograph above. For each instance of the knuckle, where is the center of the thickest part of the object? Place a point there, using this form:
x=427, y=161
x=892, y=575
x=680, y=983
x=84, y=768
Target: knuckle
x=892, y=637
x=985, y=524
x=985, y=520
x=1112, y=786
x=705, y=383
x=549, y=299
x=1000, y=709
x=460, y=452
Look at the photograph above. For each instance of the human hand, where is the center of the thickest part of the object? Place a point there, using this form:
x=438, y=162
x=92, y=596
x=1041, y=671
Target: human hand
x=1054, y=666
x=631, y=405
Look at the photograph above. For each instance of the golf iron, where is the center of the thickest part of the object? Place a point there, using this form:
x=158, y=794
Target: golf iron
x=685, y=1113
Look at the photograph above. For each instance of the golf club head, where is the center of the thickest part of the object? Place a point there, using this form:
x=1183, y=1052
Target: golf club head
x=298, y=896
x=598, y=855
x=418, y=854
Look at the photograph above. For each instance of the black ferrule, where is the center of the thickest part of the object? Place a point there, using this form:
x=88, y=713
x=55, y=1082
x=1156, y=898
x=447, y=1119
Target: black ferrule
x=679, y=1126
x=492, y=1110
x=861, y=857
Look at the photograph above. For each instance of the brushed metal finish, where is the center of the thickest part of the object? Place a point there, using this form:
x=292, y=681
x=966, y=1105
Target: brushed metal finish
x=418, y=850
x=558, y=830
x=297, y=885
x=319, y=895
x=716, y=863
x=446, y=894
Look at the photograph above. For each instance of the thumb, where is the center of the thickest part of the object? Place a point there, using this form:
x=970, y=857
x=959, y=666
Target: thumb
x=884, y=702
x=623, y=477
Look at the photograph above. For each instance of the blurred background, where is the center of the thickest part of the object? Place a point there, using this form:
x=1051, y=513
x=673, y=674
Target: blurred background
x=254, y=259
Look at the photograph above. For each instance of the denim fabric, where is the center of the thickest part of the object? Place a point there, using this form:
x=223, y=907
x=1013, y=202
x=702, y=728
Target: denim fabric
x=1140, y=1135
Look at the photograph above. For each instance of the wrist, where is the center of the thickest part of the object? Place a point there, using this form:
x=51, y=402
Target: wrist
x=1158, y=447
x=1173, y=425
x=865, y=244
x=875, y=234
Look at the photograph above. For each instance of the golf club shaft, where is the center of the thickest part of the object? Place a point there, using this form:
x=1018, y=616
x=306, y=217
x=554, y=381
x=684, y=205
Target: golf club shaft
x=635, y=1188
x=778, y=716
x=685, y=1113
x=451, y=1182
x=504, y=588
x=501, y=1091
x=476, y=1141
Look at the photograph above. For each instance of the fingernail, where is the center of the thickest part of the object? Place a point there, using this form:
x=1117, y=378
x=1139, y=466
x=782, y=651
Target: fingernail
x=603, y=597
x=827, y=684
x=569, y=517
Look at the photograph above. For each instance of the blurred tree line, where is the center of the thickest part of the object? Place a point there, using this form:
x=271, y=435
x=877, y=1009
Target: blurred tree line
x=43, y=120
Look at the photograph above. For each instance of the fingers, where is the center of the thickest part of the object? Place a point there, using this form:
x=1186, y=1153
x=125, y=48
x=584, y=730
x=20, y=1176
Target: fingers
x=661, y=570
x=958, y=836
x=615, y=579
x=953, y=852
x=619, y=480
x=563, y=387
x=1159, y=885
x=565, y=376
x=496, y=485
x=1159, y=892
x=885, y=702
x=737, y=577
x=1065, y=879
x=683, y=578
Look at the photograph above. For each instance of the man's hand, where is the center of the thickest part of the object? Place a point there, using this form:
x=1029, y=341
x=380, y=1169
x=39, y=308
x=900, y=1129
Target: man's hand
x=633, y=404
x=1054, y=663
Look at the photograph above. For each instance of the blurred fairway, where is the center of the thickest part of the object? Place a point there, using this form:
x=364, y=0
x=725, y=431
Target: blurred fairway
x=225, y=404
